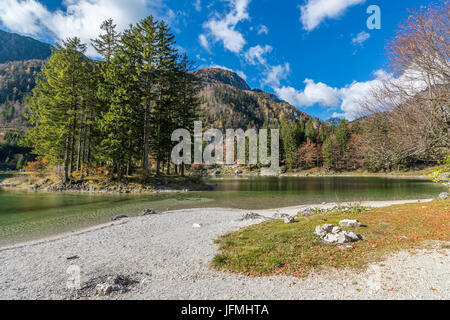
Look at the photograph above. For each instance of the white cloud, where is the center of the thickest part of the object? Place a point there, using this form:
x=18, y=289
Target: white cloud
x=347, y=98
x=204, y=42
x=352, y=95
x=80, y=18
x=198, y=5
x=315, y=11
x=240, y=73
x=263, y=29
x=256, y=54
x=24, y=16
x=274, y=74
x=361, y=38
x=314, y=93
x=223, y=29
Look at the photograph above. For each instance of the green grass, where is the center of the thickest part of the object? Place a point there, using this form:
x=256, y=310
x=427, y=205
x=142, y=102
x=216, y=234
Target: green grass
x=274, y=247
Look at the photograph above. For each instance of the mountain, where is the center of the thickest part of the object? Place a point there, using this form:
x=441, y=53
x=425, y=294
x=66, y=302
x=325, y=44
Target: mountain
x=17, y=79
x=221, y=76
x=227, y=101
x=334, y=120
x=14, y=47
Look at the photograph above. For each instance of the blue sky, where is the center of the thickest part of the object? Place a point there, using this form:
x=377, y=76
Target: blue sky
x=319, y=55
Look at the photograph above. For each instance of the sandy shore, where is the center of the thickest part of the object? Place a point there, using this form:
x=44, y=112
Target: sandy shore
x=165, y=257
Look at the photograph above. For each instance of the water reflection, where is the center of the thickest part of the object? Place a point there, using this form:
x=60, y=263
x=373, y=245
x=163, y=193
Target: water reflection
x=26, y=216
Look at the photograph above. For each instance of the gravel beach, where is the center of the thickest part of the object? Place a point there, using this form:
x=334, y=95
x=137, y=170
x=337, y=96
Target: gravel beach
x=167, y=256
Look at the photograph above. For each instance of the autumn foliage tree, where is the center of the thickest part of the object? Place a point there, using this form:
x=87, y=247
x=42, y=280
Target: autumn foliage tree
x=413, y=105
x=308, y=156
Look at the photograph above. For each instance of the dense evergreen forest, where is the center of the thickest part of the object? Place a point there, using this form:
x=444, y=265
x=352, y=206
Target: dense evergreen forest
x=118, y=112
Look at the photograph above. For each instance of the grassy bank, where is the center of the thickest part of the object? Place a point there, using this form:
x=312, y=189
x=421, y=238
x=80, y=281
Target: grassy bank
x=274, y=247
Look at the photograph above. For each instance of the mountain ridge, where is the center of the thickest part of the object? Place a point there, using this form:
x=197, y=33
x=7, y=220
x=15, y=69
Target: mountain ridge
x=15, y=47
x=229, y=102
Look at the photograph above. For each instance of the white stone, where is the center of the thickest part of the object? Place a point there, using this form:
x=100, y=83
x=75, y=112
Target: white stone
x=103, y=289
x=289, y=219
x=351, y=236
x=336, y=230
x=319, y=231
x=350, y=223
x=333, y=238
x=323, y=230
x=307, y=211
x=196, y=225
x=444, y=196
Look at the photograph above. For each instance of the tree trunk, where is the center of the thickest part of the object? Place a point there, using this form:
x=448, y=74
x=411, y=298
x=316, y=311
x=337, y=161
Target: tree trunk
x=158, y=167
x=66, y=162
x=146, y=142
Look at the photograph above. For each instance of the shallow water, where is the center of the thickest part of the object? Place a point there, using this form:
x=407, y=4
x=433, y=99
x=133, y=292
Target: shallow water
x=29, y=215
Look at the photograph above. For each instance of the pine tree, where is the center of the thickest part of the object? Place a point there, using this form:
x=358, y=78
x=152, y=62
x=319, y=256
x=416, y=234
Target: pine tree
x=57, y=103
x=121, y=124
x=324, y=132
x=8, y=111
x=310, y=130
x=106, y=44
x=327, y=153
x=288, y=140
x=342, y=134
x=187, y=101
x=164, y=111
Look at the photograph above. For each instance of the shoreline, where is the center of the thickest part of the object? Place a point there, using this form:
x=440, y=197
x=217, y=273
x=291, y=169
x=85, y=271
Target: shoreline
x=163, y=184
x=266, y=213
x=180, y=188
x=169, y=258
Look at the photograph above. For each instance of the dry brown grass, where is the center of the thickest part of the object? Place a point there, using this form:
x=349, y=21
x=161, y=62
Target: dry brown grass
x=276, y=248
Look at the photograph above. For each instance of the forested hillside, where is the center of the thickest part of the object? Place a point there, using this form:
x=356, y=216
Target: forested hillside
x=14, y=47
x=228, y=102
x=17, y=79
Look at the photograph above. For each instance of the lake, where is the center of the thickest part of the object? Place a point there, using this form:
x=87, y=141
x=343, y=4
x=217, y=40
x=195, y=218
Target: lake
x=29, y=215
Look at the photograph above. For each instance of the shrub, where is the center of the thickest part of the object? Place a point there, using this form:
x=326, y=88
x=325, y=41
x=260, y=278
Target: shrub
x=38, y=166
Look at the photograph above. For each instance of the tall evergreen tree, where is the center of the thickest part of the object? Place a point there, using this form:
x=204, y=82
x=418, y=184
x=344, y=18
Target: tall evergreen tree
x=106, y=44
x=188, y=102
x=310, y=130
x=327, y=153
x=57, y=103
x=146, y=37
x=121, y=124
x=163, y=113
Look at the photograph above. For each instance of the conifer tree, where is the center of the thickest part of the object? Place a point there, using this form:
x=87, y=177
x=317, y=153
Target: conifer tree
x=145, y=34
x=106, y=44
x=327, y=153
x=163, y=114
x=57, y=103
x=310, y=131
x=121, y=124
x=187, y=103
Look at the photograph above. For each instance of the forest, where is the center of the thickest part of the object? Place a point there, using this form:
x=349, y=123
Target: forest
x=404, y=121
x=119, y=112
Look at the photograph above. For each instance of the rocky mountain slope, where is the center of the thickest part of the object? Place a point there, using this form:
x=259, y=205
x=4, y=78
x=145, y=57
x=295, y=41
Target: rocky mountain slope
x=228, y=102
